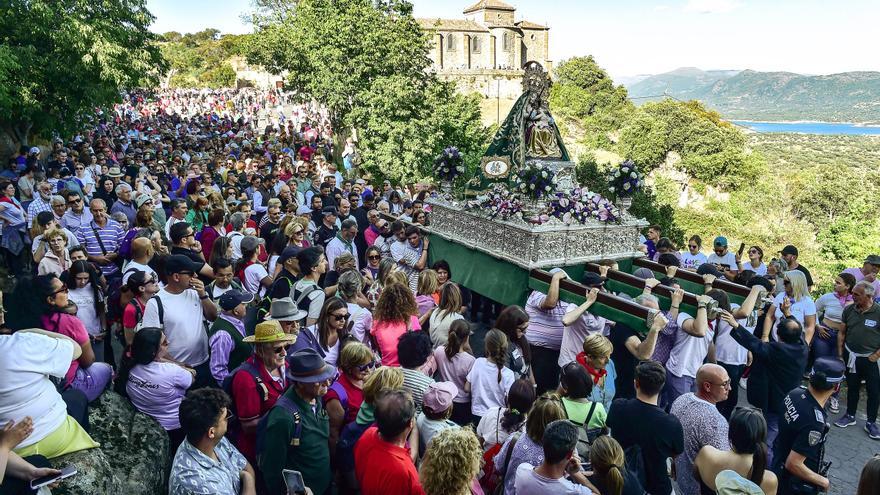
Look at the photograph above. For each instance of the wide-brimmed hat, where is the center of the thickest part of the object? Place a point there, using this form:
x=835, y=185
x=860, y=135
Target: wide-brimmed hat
x=307, y=366
x=283, y=309
x=114, y=172
x=267, y=332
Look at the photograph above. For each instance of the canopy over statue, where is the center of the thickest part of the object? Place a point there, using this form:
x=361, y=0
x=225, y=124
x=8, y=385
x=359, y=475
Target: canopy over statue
x=529, y=133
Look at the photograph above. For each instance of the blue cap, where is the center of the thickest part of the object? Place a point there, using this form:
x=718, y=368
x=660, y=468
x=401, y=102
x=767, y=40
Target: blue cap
x=232, y=298
x=720, y=241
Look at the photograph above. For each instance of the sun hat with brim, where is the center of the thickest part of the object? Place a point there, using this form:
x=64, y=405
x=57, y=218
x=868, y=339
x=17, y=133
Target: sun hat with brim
x=267, y=332
x=142, y=199
x=114, y=172
x=283, y=309
x=307, y=366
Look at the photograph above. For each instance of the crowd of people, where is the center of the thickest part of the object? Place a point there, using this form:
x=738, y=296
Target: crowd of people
x=277, y=315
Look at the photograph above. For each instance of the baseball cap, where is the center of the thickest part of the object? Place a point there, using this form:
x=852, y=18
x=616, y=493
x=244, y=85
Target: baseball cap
x=251, y=243
x=790, y=250
x=232, y=298
x=708, y=268
x=35, y=150
x=328, y=210
x=873, y=259
x=289, y=252
x=828, y=369
x=177, y=263
x=720, y=241
x=303, y=210
x=592, y=279
x=438, y=397
x=644, y=273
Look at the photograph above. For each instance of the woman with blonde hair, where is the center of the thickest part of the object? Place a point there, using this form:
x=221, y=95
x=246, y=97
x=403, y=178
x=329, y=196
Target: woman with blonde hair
x=610, y=475
x=451, y=463
x=425, y=290
x=528, y=447
x=444, y=315
x=596, y=359
x=344, y=397
x=794, y=301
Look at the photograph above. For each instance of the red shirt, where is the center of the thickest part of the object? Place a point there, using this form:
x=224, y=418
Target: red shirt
x=248, y=404
x=353, y=401
x=382, y=468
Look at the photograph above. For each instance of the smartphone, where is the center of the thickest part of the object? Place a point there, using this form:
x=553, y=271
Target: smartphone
x=294, y=482
x=42, y=481
x=586, y=466
x=742, y=248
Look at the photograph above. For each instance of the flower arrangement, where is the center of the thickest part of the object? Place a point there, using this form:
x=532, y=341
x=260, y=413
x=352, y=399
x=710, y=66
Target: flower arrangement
x=534, y=182
x=449, y=164
x=499, y=202
x=581, y=205
x=625, y=180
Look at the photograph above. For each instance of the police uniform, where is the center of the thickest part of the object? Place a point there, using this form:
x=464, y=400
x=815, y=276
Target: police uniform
x=803, y=429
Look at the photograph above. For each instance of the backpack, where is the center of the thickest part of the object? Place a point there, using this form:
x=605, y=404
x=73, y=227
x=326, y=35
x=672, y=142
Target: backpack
x=343, y=396
x=348, y=437
x=495, y=481
x=251, y=369
x=587, y=435
x=635, y=463
x=303, y=301
x=290, y=408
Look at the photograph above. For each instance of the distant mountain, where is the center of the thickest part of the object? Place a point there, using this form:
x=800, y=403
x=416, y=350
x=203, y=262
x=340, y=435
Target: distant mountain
x=751, y=95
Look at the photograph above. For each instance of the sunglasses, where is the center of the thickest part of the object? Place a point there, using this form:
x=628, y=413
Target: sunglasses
x=753, y=251
x=786, y=281
x=281, y=350
x=364, y=367
x=62, y=289
x=74, y=201
x=374, y=257
x=341, y=317
x=693, y=246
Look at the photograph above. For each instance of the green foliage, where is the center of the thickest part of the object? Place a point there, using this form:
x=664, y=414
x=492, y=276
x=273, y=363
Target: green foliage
x=61, y=59
x=583, y=92
x=201, y=59
x=367, y=62
x=335, y=52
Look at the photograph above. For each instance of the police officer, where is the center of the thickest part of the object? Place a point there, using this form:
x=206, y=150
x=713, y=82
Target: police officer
x=800, y=447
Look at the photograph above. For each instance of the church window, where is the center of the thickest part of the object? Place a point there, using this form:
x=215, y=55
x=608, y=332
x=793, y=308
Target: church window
x=450, y=42
x=476, y=44
x=507, y=42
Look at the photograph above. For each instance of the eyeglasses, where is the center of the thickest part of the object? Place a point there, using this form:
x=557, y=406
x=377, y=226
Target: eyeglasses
x=62, y=289
x=374, y=257
x=693, y=246
x=341, y=317
x=753, y=251
x=364, y=367
x=74, y=201
x=786, y=281
x=281, y=350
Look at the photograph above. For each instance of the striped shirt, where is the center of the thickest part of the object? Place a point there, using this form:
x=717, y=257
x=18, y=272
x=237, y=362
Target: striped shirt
x=545, y=325
x=416, y=383
x=111, y=236
x=37, y=206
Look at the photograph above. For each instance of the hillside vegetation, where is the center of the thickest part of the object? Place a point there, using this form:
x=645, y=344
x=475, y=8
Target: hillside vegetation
x=708, y=178
x=751, y=95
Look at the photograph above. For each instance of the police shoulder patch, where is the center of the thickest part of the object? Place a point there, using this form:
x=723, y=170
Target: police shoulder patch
x=814, y=437
x=819, y=416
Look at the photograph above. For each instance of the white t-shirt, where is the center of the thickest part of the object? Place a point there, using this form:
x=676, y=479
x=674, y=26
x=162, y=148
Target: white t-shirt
x=235, y=241
x=688, y=352
x=486, y=392
x=171, y=221
x=573, y=336
x=183, y=325
x=253, y=274
x=131, y=266
x=85, y=308
x=728, y=259
x=692, y=261
x=760, y=271
x=490, y=429
x=727, y=350
x=26, y=362
x=800, y=310
x=528, y=482
x=216, y=291
x=439, y=327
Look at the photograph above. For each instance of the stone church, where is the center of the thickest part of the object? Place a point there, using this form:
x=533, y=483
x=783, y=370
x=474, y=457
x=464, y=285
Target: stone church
x=484, y=52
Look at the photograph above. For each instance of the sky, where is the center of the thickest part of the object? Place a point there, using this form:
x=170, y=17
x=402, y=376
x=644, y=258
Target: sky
x=632, y=37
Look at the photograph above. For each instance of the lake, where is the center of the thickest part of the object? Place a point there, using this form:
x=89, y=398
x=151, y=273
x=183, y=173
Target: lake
x=809, y=127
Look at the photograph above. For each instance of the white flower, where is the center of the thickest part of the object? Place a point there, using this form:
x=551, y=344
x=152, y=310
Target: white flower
x=445, y=169
x=611, y=189
x=460, y=169
x=617, y=173
x=566, y=217
x=544, y=174
x=531, y=186
x=563, y=202
x=626, y=186
x=547, y=188
x=634, y=175
x=522, y=186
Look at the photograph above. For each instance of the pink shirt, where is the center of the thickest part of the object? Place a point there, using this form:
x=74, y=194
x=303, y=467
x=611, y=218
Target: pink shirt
x=455, y=370
x=72, y=327
x=387, y=335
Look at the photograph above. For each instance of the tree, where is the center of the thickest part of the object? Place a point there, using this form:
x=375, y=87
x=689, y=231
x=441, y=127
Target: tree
x=59, y=59
x=333, y=52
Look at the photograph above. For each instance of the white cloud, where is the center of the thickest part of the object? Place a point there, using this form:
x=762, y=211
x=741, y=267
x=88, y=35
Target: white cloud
x=711, y=6
x=661, y=8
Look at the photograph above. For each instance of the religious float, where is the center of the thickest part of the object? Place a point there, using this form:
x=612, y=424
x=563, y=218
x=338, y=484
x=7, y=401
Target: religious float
x=525, y=214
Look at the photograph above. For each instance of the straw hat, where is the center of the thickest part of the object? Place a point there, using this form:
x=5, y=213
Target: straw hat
x=268, y=332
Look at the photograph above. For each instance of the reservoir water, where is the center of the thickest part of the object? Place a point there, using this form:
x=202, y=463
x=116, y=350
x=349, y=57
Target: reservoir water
x=809, y=127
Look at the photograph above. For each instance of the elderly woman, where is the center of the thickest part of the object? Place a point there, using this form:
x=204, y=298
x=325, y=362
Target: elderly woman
x=41, y=302
x=154, y=383
x=345, y=396
x=596, y=359
x=56, y=260
x=13, y=222
x=451, y=463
